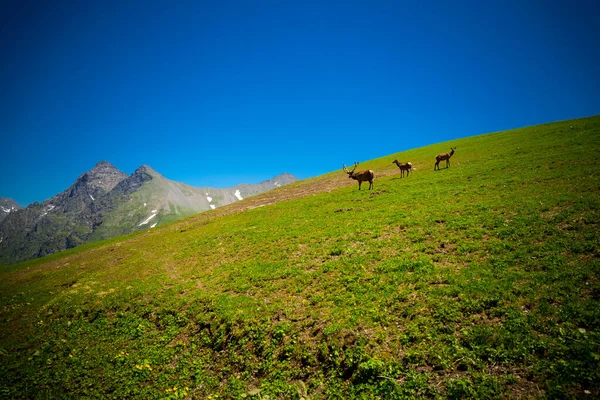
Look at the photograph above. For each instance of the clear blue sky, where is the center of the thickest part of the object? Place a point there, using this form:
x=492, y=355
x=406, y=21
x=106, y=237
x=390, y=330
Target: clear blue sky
x=215, y=93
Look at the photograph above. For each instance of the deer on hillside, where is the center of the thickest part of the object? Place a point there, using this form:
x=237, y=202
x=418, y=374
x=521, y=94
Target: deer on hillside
x=360, y=176
x=443, y=156
x=403, y=167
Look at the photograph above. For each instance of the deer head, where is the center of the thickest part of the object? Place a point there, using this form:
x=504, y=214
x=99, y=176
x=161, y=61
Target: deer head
x=350, y=173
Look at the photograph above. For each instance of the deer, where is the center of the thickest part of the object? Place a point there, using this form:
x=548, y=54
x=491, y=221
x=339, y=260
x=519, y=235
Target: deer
x=403, y=167
x=443, y=156
x=360, y=176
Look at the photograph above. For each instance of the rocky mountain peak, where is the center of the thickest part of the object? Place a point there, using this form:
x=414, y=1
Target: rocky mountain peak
x=7, y=206
x=285, y=178
x=137, y=179
x=146, y=169
x=7, y=203
x=104, y=176
x=104, y=163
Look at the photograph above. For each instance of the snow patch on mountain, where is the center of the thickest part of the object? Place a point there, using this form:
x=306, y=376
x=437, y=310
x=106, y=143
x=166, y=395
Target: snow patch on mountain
x=238, y=194
x=149, y=218
x=47, y=209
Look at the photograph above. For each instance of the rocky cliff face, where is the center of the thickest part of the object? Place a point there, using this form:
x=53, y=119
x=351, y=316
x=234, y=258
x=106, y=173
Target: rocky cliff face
x=61, y=222
x=88, y=187
x=100, y=179
x=7, y=206
x=136, y=180
x=105, y=202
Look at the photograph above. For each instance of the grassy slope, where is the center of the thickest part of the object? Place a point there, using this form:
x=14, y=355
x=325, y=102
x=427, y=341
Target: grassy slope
x=480, y=280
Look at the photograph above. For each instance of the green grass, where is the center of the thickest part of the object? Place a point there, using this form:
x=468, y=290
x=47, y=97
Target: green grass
x=476, y=281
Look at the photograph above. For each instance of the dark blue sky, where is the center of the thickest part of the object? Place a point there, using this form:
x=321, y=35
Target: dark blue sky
x=225, y=92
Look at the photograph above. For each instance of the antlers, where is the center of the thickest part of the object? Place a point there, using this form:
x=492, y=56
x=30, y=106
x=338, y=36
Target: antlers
x=350, y=172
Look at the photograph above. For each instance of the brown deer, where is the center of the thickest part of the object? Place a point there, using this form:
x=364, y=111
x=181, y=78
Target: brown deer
x=443, y=156
x=403, y=167
x=360, y=176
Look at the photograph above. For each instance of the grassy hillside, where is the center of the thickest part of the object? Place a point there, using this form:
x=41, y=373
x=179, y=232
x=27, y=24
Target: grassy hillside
x=480, y=280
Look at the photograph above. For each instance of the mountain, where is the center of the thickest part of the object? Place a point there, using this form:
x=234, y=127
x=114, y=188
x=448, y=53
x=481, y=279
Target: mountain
x=105, y=202
x=7, y=206
x=279, y=180
x=147, y=199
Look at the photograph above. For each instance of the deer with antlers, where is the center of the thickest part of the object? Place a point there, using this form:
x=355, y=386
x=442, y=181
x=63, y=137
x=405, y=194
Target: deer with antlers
x=360, y=176
x=403, y=167
x=443, y=156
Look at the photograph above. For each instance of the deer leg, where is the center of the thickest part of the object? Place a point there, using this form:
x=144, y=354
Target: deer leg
x=359, y=182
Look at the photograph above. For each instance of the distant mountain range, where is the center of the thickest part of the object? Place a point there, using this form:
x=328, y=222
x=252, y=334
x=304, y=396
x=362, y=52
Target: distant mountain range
x=105, y=202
